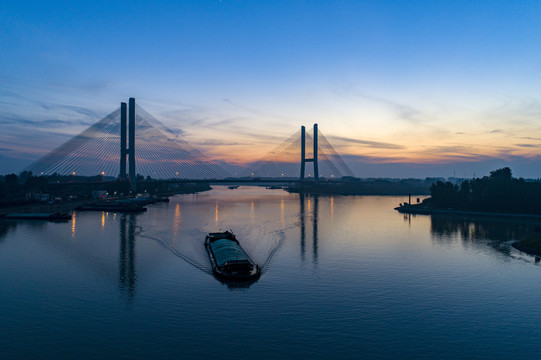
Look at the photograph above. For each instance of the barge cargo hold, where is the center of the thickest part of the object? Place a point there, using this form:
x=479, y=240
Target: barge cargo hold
x=229, y=260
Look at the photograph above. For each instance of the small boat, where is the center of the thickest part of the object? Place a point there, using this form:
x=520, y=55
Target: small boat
x=229, y=260
x=233, y=187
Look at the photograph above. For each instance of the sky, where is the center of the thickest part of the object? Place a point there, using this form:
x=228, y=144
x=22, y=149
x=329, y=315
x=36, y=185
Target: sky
x=399, y=88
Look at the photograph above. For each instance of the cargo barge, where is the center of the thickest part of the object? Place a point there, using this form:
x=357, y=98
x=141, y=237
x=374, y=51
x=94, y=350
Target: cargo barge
x=229, y=261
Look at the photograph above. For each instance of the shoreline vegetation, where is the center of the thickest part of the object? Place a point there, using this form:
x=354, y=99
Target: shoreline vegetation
x=27, y=193
x=497, y=195
x=63, y=193
x=530, y=245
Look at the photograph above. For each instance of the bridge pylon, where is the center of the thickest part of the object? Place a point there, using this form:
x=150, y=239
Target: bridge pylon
x=131, y=150
x=123, y=146
x=313, y=160
x=127, y=134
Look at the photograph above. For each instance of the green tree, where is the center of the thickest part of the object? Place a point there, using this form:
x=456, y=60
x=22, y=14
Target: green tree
x=444, y=194
x=12, y=183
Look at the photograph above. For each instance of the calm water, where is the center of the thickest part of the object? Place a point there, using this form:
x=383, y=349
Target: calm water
x=343, y=278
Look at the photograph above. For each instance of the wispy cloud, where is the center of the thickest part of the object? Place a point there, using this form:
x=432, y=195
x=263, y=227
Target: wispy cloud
x=221, y=143
x=367, y=143
x=529, y=138
x=76, y=109
x=39, y=124
x=352, y=158
x=257, y=112
x=402, y=111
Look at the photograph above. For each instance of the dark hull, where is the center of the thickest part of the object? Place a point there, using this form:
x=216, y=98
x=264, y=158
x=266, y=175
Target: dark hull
x=230, y=278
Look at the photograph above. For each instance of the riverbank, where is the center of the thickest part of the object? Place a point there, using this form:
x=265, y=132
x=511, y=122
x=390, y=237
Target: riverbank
x=373, y=187
x=45, y=207
x=531, y=245
x=423, y=210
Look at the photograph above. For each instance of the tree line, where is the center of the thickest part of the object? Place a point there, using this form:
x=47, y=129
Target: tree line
x=499, y=192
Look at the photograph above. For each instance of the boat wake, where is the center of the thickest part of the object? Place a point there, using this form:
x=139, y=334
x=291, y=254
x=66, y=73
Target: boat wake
x=164, y=243
x=268, y=262
x=259, y=244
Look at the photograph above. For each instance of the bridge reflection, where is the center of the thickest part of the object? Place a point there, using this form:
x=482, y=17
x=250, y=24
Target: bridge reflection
x=126, y=259
x=312, y=202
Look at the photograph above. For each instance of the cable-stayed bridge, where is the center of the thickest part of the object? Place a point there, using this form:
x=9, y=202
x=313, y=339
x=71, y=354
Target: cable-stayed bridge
x=290, y=159
x=154, y=150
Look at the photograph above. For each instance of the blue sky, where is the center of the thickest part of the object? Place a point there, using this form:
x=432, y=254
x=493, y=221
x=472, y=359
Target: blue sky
x=400, y=88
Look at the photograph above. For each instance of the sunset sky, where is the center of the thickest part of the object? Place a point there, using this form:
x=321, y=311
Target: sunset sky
x=400, y=88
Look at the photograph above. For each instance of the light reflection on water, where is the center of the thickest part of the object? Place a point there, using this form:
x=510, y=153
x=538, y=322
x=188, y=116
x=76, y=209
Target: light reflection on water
x=343, y=277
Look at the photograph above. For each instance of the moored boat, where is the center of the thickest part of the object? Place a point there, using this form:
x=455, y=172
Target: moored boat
x=229, y=260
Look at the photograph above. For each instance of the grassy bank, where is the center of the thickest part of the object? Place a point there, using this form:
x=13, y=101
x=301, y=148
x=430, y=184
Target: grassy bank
x=530, y=245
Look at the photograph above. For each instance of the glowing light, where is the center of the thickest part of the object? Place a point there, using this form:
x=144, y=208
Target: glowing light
x=73, y=220
x=176, y=221
x=103, y=173
x=332, y=208
x=102, y=220
x=73, y=173
x=282, y=208
x=217, y=218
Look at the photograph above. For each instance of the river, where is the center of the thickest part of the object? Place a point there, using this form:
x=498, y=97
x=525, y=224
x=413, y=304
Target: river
x=344, y=277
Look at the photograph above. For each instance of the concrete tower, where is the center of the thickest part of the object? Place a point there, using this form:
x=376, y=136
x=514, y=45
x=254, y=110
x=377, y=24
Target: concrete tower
x=123, y=149
x=131, y=149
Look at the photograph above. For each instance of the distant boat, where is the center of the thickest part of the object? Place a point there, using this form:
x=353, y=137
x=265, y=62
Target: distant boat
x=37, y=216
x=148, y=199
x=229, y=260
x=232, y=187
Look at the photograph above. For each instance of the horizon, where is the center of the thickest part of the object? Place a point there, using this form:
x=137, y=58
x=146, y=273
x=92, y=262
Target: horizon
x=408, y=90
